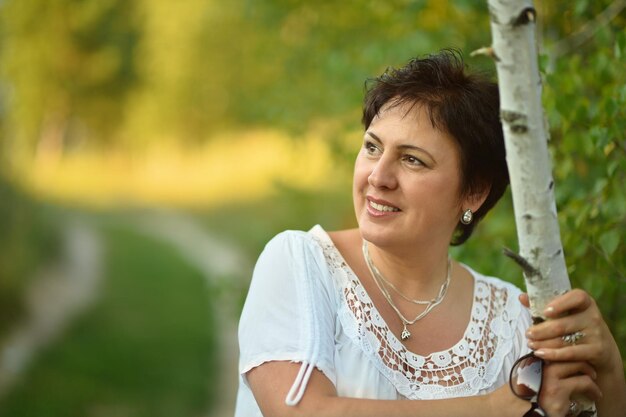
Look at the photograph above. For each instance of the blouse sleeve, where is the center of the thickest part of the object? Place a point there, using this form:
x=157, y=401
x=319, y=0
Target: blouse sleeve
x=290, y=311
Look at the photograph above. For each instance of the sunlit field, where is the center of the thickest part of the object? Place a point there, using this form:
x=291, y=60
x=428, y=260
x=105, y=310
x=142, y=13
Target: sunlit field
x=231, y=168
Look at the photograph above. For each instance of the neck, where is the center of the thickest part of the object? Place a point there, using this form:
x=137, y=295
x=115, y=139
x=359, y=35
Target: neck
x=418, y=274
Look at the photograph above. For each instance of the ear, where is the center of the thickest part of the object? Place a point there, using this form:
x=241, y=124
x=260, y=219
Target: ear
x=475, y=201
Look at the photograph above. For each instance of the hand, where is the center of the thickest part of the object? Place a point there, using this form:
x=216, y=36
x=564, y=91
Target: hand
x=564, y=381
x=574, y=312
x=561, y=381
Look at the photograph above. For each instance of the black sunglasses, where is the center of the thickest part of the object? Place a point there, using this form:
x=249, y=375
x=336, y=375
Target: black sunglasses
x=525, y=380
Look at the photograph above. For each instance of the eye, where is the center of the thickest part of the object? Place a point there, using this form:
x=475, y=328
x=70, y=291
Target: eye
x=371, y=148
x=413, y=160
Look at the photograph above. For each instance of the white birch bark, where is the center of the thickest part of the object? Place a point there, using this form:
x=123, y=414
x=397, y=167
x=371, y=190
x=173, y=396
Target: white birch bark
x=528, y=160
x=526, y=140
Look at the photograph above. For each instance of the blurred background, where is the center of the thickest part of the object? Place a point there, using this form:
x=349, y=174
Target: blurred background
x=150, y=148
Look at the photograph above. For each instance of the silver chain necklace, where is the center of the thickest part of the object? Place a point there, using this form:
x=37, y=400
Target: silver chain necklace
x=380, y=281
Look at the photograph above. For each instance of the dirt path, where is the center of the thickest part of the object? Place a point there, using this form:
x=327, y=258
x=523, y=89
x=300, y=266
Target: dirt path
x=63, y=290
x=58, y=294
x=217, y=260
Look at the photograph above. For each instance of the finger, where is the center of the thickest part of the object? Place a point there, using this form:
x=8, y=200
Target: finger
x=523, y=298
x=579, y=385
x=571, y=301
x=556, y=328
x=561, y=341
x=555, y=397
x=560, y=370
x=547, y=344
x=571, y=353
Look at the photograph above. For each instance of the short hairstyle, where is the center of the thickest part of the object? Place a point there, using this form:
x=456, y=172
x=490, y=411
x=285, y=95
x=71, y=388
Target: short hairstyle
x=464, y=105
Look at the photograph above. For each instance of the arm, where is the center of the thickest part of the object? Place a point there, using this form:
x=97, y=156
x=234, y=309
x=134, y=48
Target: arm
x=576, y=311
x=271, y=381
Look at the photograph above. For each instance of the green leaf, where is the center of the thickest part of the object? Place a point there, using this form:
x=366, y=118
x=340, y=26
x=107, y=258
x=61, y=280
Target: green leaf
x=609, y=242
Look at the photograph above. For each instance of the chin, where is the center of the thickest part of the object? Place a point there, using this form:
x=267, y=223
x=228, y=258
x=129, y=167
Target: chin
x=377, y=234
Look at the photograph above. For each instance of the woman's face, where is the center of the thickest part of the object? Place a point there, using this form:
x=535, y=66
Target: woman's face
x=406, y=186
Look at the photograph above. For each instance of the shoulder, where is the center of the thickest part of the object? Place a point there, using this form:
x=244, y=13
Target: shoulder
x=292, y=246
x=291, y=255
x=289, y=239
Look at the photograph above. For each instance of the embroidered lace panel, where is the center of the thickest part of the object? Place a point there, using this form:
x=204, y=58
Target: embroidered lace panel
x=470, y=366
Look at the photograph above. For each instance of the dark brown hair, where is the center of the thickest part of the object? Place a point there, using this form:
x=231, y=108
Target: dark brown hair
x=464, y=105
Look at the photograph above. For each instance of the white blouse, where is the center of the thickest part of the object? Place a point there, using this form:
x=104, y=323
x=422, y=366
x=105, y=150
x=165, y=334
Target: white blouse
x=305, y=305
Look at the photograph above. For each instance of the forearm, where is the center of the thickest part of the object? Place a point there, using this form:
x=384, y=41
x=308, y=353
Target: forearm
x=458, y=407
x=271, y=381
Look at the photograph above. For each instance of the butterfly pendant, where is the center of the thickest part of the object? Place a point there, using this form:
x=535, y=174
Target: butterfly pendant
x=405, y=334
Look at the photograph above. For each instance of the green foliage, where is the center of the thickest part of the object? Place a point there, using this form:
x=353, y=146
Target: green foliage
x=28, y=239
x=147, y=349
x=585, y=98
x=305, y=60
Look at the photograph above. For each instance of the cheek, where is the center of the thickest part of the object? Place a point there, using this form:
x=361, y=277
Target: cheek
x=361, y=174
x=440, y=195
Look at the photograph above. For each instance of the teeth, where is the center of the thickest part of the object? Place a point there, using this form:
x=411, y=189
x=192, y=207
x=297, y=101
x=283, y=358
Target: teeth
x=381, y=207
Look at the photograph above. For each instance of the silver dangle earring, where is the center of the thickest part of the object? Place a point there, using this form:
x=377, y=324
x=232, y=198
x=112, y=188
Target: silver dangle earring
x=467, y=216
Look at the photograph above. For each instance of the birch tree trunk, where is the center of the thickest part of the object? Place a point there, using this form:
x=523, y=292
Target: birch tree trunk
x=526, y=140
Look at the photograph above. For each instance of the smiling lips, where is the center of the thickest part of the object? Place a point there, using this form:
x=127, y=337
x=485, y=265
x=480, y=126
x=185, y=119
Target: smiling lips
x=380, y=208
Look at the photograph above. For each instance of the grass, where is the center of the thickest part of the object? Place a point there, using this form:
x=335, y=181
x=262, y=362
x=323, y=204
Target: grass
x=147, y=349
x=28, y=240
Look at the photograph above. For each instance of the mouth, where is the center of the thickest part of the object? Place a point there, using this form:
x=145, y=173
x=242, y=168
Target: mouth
x=381, y=206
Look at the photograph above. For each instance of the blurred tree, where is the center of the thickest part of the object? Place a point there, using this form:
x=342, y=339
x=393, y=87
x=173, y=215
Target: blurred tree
x=277, y=63
x=68, y=65
x=173, y=99
x=132, y=73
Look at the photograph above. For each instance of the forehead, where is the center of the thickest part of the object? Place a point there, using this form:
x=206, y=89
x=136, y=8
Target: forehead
x=407, y=118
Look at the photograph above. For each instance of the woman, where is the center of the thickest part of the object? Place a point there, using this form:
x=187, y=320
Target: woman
x=350, y=323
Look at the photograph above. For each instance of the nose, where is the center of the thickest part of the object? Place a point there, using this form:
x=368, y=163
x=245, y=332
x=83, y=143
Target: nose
x=383, y=174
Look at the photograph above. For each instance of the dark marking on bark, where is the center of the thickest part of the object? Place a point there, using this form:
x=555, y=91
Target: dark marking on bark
x=551, y=185
x=528, y=15
x=535, y=252
x=517, y=121
x=527, y=216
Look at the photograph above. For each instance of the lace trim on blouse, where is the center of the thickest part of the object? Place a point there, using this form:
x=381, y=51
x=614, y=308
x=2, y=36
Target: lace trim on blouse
x=466, y=369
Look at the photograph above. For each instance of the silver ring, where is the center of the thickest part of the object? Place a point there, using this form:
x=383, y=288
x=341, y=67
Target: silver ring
x=574, y=409
x=573, y=338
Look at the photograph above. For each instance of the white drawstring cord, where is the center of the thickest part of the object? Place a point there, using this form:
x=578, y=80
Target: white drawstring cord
x=296, y=392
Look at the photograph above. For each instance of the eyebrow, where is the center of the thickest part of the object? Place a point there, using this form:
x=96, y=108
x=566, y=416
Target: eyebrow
x=406, y=146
